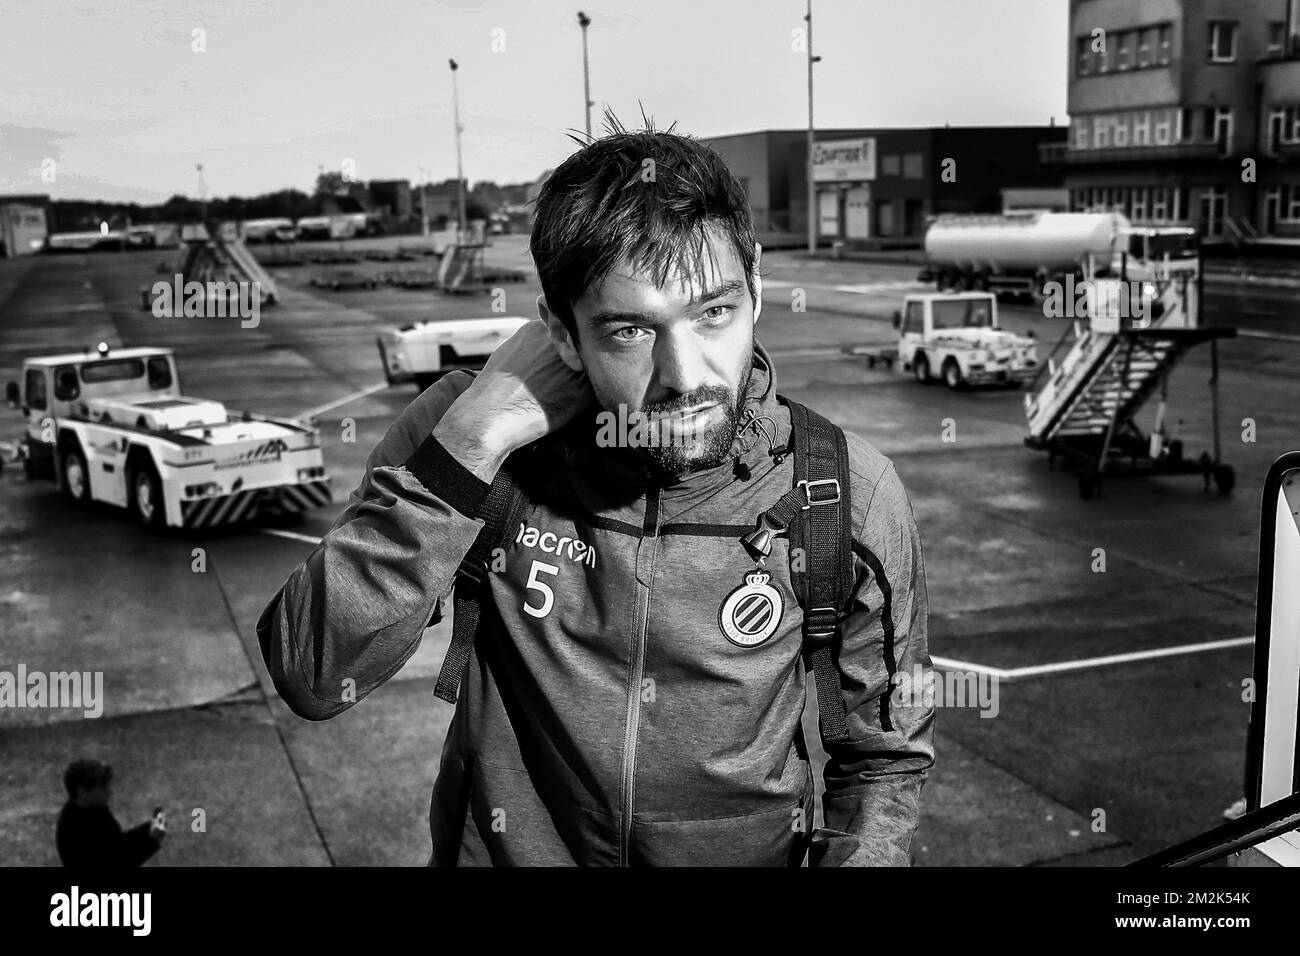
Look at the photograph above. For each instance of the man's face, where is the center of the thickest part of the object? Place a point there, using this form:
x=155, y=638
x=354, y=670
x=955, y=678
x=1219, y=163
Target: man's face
x=95, y=796
x=680, y=354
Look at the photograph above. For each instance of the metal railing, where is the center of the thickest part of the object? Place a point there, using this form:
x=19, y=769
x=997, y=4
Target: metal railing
x=1249, y=830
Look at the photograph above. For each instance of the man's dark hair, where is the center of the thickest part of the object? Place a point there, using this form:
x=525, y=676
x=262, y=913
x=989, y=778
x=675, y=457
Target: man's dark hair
x=606, y=203
x=86, y=773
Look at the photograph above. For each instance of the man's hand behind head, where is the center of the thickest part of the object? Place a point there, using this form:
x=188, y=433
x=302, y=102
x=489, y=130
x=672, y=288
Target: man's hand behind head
x=525, y=392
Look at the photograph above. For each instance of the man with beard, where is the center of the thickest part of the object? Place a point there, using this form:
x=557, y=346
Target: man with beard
x=637, y=677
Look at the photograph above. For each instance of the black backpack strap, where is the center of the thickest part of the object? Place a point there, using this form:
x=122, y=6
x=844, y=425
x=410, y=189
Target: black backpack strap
x=824, y=583
x=505, y=503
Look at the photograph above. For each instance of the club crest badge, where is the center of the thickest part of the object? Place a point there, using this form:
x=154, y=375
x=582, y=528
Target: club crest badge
x=752, y=612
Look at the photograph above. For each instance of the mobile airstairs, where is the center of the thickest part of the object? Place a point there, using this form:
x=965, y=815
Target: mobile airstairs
x=1082, y=406
x=214, y=259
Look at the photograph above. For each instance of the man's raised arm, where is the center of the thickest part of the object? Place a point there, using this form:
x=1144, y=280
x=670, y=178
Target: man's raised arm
x=356, y=608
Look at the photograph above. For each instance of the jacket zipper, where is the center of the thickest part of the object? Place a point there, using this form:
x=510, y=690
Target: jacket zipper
x=645, y=553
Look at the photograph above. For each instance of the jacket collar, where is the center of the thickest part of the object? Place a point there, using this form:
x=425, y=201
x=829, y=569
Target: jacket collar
x=626, y=470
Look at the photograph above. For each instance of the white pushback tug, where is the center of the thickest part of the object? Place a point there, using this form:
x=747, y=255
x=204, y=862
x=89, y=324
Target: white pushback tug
x=111, y=425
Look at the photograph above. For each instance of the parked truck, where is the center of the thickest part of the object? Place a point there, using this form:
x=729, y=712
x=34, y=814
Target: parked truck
x=111, y=425
x=956, y=337
x=22, y=229
x=1019, y=253
x=425, y=351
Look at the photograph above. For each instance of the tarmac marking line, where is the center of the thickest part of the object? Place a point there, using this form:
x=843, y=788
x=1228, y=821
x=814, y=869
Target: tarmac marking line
x=1152, y=654
x=949, y=663
x=361, y=393
x=1038, y=670
x=1252, y=334
x=827, y=352
x=291, y=535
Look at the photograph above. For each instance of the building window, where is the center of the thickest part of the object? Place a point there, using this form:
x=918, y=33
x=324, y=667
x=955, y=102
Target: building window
x=1273, y=210
x=884, y=218
x=1186, y=125
x=1124, y=55
x=1101, y=132
x=1140, y=204
x=1295, y=124
x=1293, y=207
x=1081, y=133
x=1120, y=135
x=1165, y=45
x=1160, y=205
x=1276, y=38
x=1164, y=129
x=1146, y=55
x=1276, y=130
x=912, y=165
x=1086, y=63
x=1223, y=41
x=1142, y=129
x=1218, y=127
x=889, y=165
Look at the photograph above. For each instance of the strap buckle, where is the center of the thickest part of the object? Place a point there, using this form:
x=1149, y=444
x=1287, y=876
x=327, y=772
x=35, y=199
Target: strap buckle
x=820, y=625
x=808, y=486
x=473, y=571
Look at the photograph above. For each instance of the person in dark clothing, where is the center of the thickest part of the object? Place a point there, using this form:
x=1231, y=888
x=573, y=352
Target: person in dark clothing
x=88, y=835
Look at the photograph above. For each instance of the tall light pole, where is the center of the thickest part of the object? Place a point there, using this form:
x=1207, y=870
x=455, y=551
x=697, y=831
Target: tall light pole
x=584, y=21
x=812, y=188
x=424, y=199
x=460, y=176
x=203, y=195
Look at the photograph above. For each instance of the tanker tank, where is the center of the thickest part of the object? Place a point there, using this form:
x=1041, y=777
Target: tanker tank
x=1051, y=242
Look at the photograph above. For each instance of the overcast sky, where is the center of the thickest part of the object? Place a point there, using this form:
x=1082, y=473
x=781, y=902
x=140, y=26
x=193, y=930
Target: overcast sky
x=115, y=94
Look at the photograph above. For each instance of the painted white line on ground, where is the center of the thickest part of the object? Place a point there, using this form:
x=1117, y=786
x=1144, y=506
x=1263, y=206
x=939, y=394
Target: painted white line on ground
x=291, y=535
x=1251, y=334
x=947, y=663
x=807, y=353
x=1018, y=673
x=369, y=390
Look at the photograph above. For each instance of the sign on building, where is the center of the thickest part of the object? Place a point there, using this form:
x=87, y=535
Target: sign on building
x=845, y=160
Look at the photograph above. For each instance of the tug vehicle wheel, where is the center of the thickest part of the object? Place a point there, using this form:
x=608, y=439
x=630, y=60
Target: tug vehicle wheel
x=952, y=374
x=76, y=475
x=146, y=497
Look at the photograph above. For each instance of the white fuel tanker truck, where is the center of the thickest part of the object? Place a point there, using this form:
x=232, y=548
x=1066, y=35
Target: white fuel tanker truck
x=1016, y=254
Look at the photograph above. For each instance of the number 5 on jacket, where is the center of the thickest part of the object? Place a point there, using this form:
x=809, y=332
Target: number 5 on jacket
x=548, y=596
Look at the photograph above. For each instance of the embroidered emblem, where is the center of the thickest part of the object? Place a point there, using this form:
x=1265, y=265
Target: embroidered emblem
x=752, y=612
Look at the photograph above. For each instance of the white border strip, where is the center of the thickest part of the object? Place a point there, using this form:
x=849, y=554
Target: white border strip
x=368, y=390
x=1062, y=667
x=1271, y=336
x=291, y=535
x=953, y=665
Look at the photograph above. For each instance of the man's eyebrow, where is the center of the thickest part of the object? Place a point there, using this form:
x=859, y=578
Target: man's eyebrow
x=613, y=316
x=730, y=287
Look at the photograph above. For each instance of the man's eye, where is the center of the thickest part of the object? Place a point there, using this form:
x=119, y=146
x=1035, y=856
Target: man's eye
x=717, y=312
x=634, y=334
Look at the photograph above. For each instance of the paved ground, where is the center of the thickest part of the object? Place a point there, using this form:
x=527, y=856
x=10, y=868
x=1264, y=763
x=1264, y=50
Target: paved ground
x=1151, y=749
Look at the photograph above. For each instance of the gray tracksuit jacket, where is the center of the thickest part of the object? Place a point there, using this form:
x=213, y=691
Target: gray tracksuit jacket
x=632, y=698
